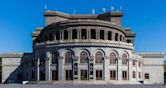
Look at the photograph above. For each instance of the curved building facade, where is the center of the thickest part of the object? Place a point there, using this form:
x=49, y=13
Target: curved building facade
x=89, y=48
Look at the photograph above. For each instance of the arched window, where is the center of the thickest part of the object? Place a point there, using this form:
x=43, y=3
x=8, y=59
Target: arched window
x=65, y=34
x=124, y=59
x=55, y=58
x=74, y=34
x=112, y=58
x=133, y=74
x=146, y=76
x=83, y=57
x=99, y=57
x=68, y=57
x=116, y=37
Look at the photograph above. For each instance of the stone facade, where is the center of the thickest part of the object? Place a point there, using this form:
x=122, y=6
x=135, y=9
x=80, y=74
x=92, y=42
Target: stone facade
x=83, y=49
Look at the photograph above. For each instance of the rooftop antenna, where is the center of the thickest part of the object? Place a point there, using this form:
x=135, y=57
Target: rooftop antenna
x=103, y=9
x=93, y=11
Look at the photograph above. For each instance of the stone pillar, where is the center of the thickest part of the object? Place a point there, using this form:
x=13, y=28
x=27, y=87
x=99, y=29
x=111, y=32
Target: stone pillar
x=130, y=72
x=137, y=73
x=105, y=35
x=75, y=68
x=113, y=36
x=62, y=35
x=119, y=70
x=91, y=67
x=69, y=34
x=38, y=69
x=60, y=68
x=47, y=66
x=106, y=69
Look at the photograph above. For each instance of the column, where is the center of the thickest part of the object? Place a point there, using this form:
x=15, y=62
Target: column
x=38, y=69
x=47, y=66
x=137, y=73
x=105, y=35
x=105, y=69
x=91, y=67
x=60, y=68
x=130, y=72
x=119, y=70
x=69, y=34
x=75, y=68
x=113, y=36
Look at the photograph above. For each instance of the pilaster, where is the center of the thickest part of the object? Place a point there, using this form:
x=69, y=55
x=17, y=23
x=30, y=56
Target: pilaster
x=47, y=66
x=106, y=69
x=60, y=68
x=119, y=70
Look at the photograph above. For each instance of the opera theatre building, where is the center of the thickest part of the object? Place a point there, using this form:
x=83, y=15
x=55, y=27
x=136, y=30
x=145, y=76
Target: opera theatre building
x=86, y=49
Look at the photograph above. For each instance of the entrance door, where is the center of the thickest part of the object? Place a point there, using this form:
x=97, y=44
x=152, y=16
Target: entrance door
x=84, y=75
x=54, y=75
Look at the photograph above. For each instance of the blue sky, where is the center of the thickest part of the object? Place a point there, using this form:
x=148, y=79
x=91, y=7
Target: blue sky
x=18, y=18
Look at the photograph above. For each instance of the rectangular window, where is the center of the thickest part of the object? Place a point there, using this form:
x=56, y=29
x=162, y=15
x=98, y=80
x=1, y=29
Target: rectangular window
x=83, y=34
x=102, y=34
x=54, y=75
x=57, y=35
x=139, y=75
x=124, y=75
x=99, y=75
x=84, y=75
x=69, y=75
x=134, y=62
x=93, y=34
x=139, y=63
x=65, y=34
x=112, y=75
x=133, y=74
x=109, y=35
x=74, y=34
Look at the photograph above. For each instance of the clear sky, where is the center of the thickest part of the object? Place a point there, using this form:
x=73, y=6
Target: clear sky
x=18, y=18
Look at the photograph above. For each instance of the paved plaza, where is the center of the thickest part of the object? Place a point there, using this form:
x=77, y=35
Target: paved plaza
x=80, y=86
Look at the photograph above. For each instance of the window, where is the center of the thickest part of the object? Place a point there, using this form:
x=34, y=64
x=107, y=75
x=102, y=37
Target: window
x=128, y=41
x=124, y=59
x=133, y=74
x=83, y=34
x=69, y=75
x=65, y=34
x=99, y=57
x=112, y=58
x=33, y=75
x=55, y=58
x=116, y=37
x=99, y=75
x=57, y=35
x=109, y=35
x=68, y=57
x=83, y=57
x=139, y=64
x=139, y=74
x=42, y=62
x=112, y=75
x=102, y=34
x=84, y=75
x=124, y=75
x=134, y=62
x=146, y=76
x=93, y=34
x=74, y=34
x=120, y=37
x=51, y=37
x=54, y=75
